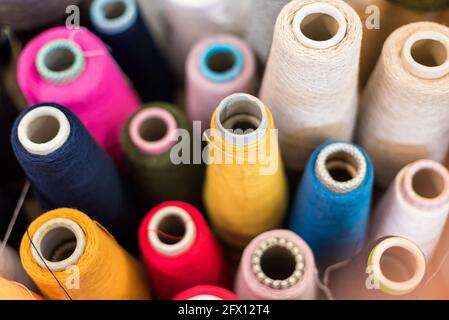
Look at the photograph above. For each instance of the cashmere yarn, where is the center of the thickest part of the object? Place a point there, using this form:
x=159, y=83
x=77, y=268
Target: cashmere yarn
x=311, y=76
x=405, y=107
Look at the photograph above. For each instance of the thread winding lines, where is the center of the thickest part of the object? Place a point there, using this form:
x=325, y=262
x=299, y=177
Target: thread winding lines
x=276, y=265
x=331, y=209
x=395, y=135
x=147, y=140
x=416, y=205
x=311, y=77
x=206, y=293
x=49, y=69
x=73, y=256
x=120, y=25
x=189, y=257
x=217, y=66
x=67, y=168
x=245, y=190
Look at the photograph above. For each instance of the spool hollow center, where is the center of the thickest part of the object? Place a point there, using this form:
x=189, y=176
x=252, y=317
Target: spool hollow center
x=278, y=263
x=171, y=231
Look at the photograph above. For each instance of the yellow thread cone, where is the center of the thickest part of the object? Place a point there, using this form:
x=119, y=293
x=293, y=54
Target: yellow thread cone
x=10, y=290
x=100, y=269
x=244, y=198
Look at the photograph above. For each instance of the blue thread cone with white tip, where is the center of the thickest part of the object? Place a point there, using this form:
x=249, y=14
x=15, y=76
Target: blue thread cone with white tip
x=332, y=204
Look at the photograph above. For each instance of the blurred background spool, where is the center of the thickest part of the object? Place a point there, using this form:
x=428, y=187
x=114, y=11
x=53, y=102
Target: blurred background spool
x=147, y=140
x=11, y=172
x=120, y=25
x=67, y=168
x=262, y=18
x=24, y=15
x=70, y=256
x=10, y=290
x=10, y=48
x=393, y=14
x=311, y=77
x=245, y=191
x=179, y=250
x=190, y=20
x=332, y=204
x=276, y=265
x=11, y=267
x=405, y=107
x=391, y=268
x=217, y=66
x=415, y=206
x=206, y=293
x=74, y=68
x=153, y=14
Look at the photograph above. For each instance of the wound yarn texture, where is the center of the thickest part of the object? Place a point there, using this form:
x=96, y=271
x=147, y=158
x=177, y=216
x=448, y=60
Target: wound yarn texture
x=101, y=96
x=333, y=224
x=78, y=175
x=106, y=270
x=403, y=117
x=312, y=92
x=201, y=263
x=134, y=49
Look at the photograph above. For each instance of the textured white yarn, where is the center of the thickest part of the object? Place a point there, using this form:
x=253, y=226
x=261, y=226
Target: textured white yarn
x=188, y=21
x=312, y=92
x=403, y=117
x=402, y=212
x=261, y=25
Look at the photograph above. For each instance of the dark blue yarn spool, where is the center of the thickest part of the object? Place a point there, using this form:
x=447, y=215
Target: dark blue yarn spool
x=78, y=175
x=133, y=48
x=333, y=224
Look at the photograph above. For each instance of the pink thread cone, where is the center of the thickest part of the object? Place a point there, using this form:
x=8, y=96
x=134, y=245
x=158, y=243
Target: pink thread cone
x=249, y=287
x=204, y=95
x=100, y=96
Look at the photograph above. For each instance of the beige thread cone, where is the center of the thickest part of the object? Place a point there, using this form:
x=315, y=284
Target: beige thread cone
x=392, y=16
x=405, y=117
x=312, y=85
